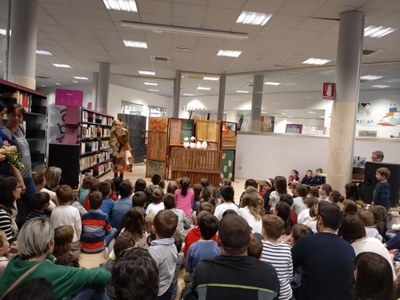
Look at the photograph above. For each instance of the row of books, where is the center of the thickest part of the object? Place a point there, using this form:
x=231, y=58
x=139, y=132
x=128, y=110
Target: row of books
x=93, y=160
x=91, y=117
x=92, y=131
x=94, y=146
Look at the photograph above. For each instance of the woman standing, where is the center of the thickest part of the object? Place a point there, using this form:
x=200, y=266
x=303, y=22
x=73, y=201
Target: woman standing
x=121, y=150
x=14, y=131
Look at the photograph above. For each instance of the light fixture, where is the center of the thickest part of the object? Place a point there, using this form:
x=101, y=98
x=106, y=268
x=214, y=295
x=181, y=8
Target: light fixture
x=253, y=18
x=153, y=90
x=147, y=73
x=43, y=52
x=212, y=78
x=377, y=31
x=316, y=61
x=135, y=44
x=3, y=31
x=380, y=86
x=242, y=92
x=75, y=81
x=81, y=78
x=158, y=28
x=311, y=112
x=370, y=77
x=57, y=83
x=229, y=53
x=188, y=95
x=151, y=83
x=124, y=5
x=204, y=88
x=272, y=83
x=62, y=66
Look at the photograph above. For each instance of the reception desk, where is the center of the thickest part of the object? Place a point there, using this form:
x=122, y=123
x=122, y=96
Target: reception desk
x=196, y=164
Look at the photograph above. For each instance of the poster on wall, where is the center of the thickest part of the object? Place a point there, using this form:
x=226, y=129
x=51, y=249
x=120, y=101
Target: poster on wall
x=294, y=128
x=267, y=124
x=227, y=164
x=56, y=123
x=378, y=114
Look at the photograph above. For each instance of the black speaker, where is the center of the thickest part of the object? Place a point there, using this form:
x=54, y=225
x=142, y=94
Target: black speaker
x=367, y=187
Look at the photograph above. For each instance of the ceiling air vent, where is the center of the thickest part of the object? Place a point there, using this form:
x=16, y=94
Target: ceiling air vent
x=160, y=58
x=368, y=52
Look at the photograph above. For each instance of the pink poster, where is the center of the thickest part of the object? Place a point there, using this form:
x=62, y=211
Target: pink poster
x=69, y=97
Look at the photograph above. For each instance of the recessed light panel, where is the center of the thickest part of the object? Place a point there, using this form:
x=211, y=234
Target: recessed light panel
x=153, y=90
x=272, y=83
x=242, y=92
x=124, y=5
x=229, y=53
x=62, y=66
x=147, y=73
x=204, y=88
x=188, y=95
x=253, y=18
x=316, y=61
x=135, y=44
x=81, y=78
x=151, y=83
x=212, y=78
x=380, y=86
x=377, y=31
x=370, y=77
x=43, y=52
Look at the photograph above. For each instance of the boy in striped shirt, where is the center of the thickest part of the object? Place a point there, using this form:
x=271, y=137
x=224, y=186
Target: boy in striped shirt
x=97, y=232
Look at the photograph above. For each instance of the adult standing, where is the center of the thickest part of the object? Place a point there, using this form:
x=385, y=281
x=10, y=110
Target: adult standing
x=121, y=150
x=14, y=131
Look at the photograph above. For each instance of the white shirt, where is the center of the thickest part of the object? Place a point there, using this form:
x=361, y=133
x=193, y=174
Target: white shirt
x=52, y=195
x=373, y=233
x=303, y=216
x=153, y=208
x=67, y=215
x=255, y=224
x=298, y=205
x=274, y=197
x=220, y=209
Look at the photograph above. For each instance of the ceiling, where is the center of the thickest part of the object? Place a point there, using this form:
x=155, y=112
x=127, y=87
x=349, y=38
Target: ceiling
x=83, y=33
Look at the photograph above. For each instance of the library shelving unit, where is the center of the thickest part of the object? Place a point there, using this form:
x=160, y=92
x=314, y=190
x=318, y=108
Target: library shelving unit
x=35, y=120
x=85, y=149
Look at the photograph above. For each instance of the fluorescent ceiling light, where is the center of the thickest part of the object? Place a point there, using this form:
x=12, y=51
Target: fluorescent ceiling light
x=272, y=83
x=253, y=18
x=212, y=78
x=229, y=53
x=57, y=83
x=380, y=86
x=3, y=31
x=158, y=28
x=81, y=78
x=43, y=52
x=316, y=61
x=242, y=92
x=188, y=95
x=135, y=44
x=151, y=83
x=153, y=90
x=311, y=112
x=75, y=81
x=370, y=77
x=62, y=66
x=124, y=5
x=204, y=88
x=147, y=73
x=377, y=31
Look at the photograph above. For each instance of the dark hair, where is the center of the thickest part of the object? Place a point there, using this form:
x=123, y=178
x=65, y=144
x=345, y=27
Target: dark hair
x=172, y=187
x=335, y=197
x=283, y=211
x=311, y=201
x=206, y=206
x=63, y=236
x=134, y=222
x=302, y=190
x=125, y=188
x=95, y=199
x=139, y=199
x=40, y=199
x=352, y=228
x=227, y=192
x=330, y=214
x=374, y=277
x=117, y=181
x=255, y=247
x=314, y=191
x=105, y=188
x=367, y=217
x=207, y=194
x=178, y=241
x=124, y=241
x=165, y=223
x=349, y=207
x=287, y=198
x=226, y=181
x=2, y=104
x=144, y=285
x=157, y=195
x=352, y=191
x=33, y=289
x=197, y=187
x=204, y=182
x=250, y=182
x=184, y=183
x=155, y=179
x=7, y=185
x=229, y=212
x=300, y=230
x=273, y=226
x=140, y=185
x=64, y=193
x=68, y=260
x=15, y=108
x=162, y=184
x=384, y=172
x=208, y=225
x=280, y=185
x=234, y=233
x=88, y=182
x=380, y=214
x=169, y=201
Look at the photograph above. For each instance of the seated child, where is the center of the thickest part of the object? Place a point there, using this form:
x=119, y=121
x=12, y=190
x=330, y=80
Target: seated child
x=227, y=197
x=294, y=176
x=63, y=236
x=4, y=245
x=155, y=180
x=183, y=222
x=308, y=178
x=108, y=203
x=96, y=228
x=367, y=217
x=319, y=178
x=40, y=203
x=255, y=247
x=164, y=252
x=205, y=248
x=157, y=203
x=40, y=182
x=87, y=185
x=140, y=185
x=324, y=192
x=139, y=200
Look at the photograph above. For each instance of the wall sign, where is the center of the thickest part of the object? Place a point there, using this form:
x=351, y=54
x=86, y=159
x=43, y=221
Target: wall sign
x=69, y=97
x=328, y=91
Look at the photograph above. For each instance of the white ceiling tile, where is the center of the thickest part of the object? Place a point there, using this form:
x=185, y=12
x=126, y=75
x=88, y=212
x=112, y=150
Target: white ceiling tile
x=188, y=11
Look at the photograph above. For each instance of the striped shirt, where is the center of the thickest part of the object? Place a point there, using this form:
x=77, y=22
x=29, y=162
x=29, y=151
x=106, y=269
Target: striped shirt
x=280, y=257
x=95, y=225
x=5, y=223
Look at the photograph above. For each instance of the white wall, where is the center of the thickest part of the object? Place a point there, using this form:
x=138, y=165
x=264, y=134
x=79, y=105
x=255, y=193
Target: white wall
x=268, y=155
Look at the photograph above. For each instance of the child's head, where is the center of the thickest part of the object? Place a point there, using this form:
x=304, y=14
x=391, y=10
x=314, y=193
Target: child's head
x=178, y=241
x=206, y=206
x=204, y=182
x=105, y=189
x=64, y=194
x=197, y=187
x=309, y=173
x=377, y=156
x=208, y=225
x=125, y=188
x=227, y=193
x=352, y=191
x=382, y=174
x=335, y=197
x=172, y=187
x=325, y=190
x=302, y=190
x=148, y=223
x=41, y=201
x=63, y=237
x=140, y=185
x=38, y=178
x=134, y=222
x=272, y=227
x=117, y=181
x=352, y=228
x=226, y=181
x=139, y=199
x=294, y=173
x=124, y=241
x=157, y=195
x=89, y=182
x=367, y=217
x=8, y=191
x=169, y=201
x=207, y=193
x=184, y=185
x=155, y=179
x=53, y=177
x=349, y=207
x=255, y=247
x=268, y=184
x=165, y=223
x=318, y=172
x=311, y=201
x=162, y=184
x=95, y=199
x=287, y=198
x=4, y=244
x=313, y=191
x=250, y=182
x=300, y=230
x=280, y=184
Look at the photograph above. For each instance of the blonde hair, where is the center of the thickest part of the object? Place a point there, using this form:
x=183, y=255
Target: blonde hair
x=251, y=198
x=3, y=238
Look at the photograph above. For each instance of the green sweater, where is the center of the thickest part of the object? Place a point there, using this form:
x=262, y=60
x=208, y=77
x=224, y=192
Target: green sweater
x=66, y=281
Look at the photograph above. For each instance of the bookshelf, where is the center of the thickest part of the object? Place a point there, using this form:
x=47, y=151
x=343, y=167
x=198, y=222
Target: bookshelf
x=35, y=119
x=85, y=149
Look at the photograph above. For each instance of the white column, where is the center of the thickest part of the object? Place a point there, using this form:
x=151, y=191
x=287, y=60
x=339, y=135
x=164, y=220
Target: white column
x=103, y=85
x=221, y=97
x=177, y=94
x=95, y=87
x=256, y=102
